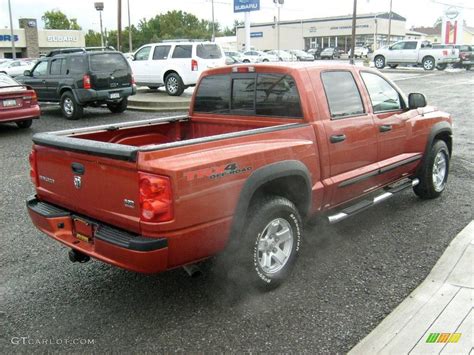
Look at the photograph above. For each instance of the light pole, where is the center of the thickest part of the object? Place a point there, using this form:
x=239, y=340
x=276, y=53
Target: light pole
x=213, y=25
x=278, y=4
x=353, y=39
x=390, y=23
x=99, y=6
x=375, y=32
x=130, y=47
x=11, y=31
x=119, y=23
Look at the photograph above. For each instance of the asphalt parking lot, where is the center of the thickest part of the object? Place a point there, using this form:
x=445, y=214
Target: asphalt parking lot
x=348, y=278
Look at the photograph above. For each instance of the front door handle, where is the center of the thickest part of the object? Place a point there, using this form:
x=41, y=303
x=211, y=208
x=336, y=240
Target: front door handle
x=337, y=138
x=385, y=128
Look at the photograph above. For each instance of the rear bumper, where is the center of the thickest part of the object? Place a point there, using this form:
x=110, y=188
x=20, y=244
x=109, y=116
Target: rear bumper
x=90, y=95
x=21, y=114
x=113, y=246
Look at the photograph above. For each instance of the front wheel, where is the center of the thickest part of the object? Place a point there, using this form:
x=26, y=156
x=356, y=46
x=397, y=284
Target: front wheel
x=118, y=107
x=70, y=108
x=24, y=124
x=379, y=62
x=428, y=63
x=434, y=172
x=174, y=85
x=271, y=241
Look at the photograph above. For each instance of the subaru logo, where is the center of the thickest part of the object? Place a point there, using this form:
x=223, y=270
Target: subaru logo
x=77, y=182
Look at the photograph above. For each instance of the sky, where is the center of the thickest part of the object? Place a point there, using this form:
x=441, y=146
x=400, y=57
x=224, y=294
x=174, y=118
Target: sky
x=417, y=12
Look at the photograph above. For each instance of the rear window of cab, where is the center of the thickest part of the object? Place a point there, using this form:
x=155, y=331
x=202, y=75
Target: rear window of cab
x=263, y=94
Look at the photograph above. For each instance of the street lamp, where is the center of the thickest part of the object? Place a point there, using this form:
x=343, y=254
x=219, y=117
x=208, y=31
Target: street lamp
x=353, y=40
x=99, y=6
x=278, y=4
x=11, y=31
x=213, y=39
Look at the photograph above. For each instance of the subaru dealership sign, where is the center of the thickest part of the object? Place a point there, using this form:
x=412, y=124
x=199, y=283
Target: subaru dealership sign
x=246, y=5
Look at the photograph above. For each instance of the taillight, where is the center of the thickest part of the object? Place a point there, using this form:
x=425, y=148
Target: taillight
x=155, y=198
x=132, y=80
x=86, y=81
x=194, y=65
x=33, y=172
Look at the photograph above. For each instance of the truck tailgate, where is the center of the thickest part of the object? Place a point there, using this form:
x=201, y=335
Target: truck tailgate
x=100, y=188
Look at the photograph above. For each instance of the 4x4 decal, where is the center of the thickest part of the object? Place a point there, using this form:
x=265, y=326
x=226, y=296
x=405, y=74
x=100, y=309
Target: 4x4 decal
x=216, y=172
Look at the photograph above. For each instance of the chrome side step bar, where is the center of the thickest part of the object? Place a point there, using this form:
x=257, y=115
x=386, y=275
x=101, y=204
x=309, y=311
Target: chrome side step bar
x=364, y=204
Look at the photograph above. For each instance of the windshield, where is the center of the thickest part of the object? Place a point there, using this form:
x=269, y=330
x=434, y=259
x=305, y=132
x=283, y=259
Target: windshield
x=297, y=51
x=328, y=50
x=107, y=62
x=208, y=51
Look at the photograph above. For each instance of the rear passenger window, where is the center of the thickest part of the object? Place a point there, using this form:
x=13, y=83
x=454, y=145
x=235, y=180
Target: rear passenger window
x=212, y=95
x=383, y=96
x=56, y=67
x=161, y=52
x=182, y=51
x=277, y=96
x=342, y=94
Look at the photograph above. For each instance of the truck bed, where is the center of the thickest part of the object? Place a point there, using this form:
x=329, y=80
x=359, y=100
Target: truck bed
x=124, y=141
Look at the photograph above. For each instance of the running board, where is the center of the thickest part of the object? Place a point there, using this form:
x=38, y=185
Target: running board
x=364, y=204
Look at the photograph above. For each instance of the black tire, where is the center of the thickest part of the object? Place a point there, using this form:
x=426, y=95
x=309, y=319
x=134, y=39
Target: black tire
x=265, y=60
x=118, y=107
x=393, y=66
x=174, y=85
x=246, y=61
x=69, y=107
x=468, y=67
x=153, y=87
x=379, y=62
x=429, y=187
x=441, y=66
x=283, y=214
x=429, y=63
x=24, y=124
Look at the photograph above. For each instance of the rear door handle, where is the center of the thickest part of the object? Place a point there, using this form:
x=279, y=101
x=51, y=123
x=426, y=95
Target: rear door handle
x=385, y=128
x=338, y=138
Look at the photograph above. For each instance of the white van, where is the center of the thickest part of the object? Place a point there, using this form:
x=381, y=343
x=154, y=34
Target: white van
x=176, y=65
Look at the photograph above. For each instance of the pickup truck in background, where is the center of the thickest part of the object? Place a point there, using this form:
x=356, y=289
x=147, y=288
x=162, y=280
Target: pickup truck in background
x=418, y=53
x=263, y=148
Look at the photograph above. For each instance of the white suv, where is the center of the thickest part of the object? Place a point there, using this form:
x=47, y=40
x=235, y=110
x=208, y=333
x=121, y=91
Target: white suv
x=176, y=65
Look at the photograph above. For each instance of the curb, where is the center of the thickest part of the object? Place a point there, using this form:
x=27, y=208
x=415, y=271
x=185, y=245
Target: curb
x=407, y=311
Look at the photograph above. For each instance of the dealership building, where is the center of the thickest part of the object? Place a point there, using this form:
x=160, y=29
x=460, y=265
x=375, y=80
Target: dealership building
x=31, y=42
x=325, y=32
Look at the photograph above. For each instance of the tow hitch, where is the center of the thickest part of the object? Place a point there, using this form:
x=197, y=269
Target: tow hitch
x=76, y=256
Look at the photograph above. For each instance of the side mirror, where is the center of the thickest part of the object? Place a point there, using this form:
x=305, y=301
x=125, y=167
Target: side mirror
x=27, y=73
x=416, y=100
x=390, y=48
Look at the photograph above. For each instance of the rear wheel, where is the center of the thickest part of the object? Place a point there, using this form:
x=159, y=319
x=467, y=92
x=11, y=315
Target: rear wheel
x=433, y=175
x=393, y=66
x=468, y=67
x=246, y=61
x=428, y=63
x=441, y=66
x=153, y=87
x=379, y=62
x=24, y=124
x=70, y=108
x=174, y=84
x=118, y=107
x=271, y=242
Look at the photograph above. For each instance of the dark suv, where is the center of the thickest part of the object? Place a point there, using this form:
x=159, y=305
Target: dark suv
x=81, y=79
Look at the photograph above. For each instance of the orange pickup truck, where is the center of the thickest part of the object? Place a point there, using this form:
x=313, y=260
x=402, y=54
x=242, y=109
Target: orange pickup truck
x=263, y=148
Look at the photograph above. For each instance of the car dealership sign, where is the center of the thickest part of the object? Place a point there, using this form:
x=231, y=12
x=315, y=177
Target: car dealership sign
x=60, y=38
x=246, y=5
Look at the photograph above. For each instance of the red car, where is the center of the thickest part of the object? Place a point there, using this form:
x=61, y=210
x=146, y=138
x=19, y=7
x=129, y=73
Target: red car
x=18, y=103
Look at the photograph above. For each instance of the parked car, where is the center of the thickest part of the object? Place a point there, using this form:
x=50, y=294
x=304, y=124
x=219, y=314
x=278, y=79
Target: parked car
x=330, y=53
x=465, y=56
x=283, y=56
x=80, y=79
x=359, y=52
x=414, y=53
x=242, y=171
x=175, y=65
x=15, y=67
x=254, y=56
x=315, y=52
x=233, y=57
x=18, y=103
x=302, y=56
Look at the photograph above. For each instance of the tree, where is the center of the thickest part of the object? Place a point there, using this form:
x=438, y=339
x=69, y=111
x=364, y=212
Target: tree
x=92, y=39
x=56, y=20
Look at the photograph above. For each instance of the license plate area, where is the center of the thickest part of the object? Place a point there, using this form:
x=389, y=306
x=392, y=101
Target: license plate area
x=114, y=95
x=9, y=103
x=83, y=230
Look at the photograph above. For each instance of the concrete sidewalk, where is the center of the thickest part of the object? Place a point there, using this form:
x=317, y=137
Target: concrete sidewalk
x=159, y=101
x=440, y=306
